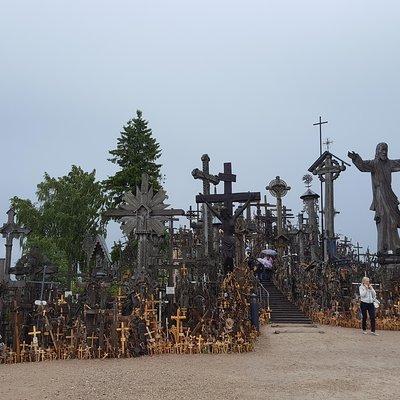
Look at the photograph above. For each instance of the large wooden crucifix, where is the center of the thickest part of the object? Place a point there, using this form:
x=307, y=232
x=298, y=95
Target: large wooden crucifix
x=226, y=214
x=10, y=231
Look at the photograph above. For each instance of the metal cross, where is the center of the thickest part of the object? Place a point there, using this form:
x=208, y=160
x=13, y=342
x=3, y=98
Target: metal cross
x=328, y=143
x=320, y=123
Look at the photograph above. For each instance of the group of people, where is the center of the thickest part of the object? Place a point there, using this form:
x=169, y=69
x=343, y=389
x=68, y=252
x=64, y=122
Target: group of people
x=263, y=265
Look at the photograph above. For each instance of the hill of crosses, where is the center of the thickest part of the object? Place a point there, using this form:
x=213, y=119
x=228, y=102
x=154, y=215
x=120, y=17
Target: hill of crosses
x=197, y=281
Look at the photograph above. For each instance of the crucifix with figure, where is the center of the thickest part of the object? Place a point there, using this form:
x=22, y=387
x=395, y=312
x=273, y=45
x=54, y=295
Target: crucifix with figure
x=226, y=214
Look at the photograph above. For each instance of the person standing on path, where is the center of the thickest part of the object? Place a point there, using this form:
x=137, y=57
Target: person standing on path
x=367, y=298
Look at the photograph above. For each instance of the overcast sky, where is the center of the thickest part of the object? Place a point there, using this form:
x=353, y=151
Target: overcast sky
x=241, y=81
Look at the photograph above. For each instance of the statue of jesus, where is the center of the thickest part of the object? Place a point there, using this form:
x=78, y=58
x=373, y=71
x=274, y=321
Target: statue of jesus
x=385, y=202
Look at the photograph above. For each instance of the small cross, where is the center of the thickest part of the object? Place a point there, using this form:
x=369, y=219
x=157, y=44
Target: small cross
x=92, y=338
x=200, y=341
x=328, y=143
x=184, y=270
x=34, y=332
x=72, y=337
x=149, y=334
x=120, y=297
x=61, y=300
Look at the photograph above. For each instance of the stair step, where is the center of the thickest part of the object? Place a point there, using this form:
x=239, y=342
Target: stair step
x=282, y=310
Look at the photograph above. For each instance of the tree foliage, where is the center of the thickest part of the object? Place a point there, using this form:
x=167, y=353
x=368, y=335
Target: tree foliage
x=137, y=152
x=67, y=210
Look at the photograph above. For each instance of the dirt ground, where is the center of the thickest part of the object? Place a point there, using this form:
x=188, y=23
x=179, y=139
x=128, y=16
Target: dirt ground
x=298, y=363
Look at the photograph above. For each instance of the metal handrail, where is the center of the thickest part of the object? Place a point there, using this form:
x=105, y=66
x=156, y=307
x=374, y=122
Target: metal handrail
x=262, y=287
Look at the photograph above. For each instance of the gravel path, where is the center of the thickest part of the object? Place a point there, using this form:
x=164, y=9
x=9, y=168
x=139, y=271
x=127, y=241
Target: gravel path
x=298, y=363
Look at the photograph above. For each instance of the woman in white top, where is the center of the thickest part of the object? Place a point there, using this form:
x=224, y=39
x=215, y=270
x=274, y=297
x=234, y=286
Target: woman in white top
x=367, y=297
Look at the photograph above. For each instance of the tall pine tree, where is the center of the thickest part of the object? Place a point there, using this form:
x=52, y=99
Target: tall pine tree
x=137, y=152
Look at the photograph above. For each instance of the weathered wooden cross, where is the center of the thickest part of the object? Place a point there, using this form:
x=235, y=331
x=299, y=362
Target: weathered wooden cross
x=178, y=327
x=227, y=216
x=123, y=338
x=207, y=178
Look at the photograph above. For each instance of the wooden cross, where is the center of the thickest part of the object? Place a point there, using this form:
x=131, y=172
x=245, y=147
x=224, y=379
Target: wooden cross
x=24, y=345
x=228, y=197
x=34, y=333
x=92, y=338
x=149, y=310
x=206, y=178
x=120, y=297
x=191, y=215
x=72, y=337
x=358, y=248
x=123, y=329
x=158, y=212
x=149, y=334
x=226, y=215
x=58, y=334
x=184, y=270
x=178, y=318
x=61, y=301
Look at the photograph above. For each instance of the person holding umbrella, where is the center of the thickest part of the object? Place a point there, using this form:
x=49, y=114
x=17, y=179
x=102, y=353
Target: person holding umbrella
x=266, y=265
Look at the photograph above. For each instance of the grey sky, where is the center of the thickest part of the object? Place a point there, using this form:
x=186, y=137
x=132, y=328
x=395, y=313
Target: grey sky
x=242, y=81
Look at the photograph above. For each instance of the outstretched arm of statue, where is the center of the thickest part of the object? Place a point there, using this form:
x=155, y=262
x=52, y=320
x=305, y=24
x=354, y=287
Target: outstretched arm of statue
x=213, y=211
x=395, y=165
x=362, y=165
x=240, y=210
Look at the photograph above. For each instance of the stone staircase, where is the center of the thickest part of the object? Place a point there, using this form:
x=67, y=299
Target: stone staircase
x=282, y=310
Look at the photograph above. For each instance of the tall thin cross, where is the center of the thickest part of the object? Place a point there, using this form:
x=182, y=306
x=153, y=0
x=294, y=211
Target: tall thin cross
x=207, y=179
x=320, y=123
x=358, y=248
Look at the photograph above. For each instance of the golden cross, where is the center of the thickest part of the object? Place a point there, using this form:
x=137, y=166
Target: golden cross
x=184, y=270
x=34, y=333
x=61, y=300
x=122, y=329
x=178, y=318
